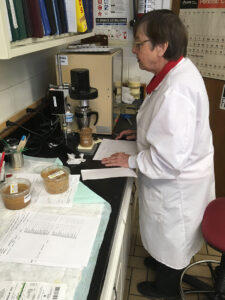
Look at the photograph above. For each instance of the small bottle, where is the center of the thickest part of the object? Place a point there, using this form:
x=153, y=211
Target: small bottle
x=69, y=119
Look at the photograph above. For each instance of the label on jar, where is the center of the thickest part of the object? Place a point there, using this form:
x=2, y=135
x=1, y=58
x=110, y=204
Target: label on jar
x=51, y=176
x=13, y=188
x=27, y=198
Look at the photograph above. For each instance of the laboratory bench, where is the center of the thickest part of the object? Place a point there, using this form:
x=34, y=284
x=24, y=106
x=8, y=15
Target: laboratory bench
x=109, y=273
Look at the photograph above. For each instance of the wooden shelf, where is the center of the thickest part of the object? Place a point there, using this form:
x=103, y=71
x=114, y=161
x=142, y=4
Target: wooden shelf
x=12, y=49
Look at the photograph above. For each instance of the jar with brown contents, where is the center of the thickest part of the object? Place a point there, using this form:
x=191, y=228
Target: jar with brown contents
x=16, y=193
x=56, y=179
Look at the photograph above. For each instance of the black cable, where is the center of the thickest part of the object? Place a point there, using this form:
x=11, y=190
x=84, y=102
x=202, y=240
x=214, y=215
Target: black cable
x=38, y=142
x=9, y=123
x=32, y=110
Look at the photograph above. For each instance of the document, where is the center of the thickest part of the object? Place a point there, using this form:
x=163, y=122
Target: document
x=11, y=290
x=49, y=239
x=108, y=147
x=107, y=173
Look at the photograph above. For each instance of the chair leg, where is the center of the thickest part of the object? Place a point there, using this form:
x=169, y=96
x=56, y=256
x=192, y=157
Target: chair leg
x=200, y=286
x=220, y=282
x=213, y=272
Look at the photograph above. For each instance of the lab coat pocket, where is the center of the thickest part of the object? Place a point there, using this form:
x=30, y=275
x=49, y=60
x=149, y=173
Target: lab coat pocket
x=151, y=199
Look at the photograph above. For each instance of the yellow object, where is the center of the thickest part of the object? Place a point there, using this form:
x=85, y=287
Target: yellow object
x=134, y=88
x=85, y=148
x=89, y=148
x=81, y=20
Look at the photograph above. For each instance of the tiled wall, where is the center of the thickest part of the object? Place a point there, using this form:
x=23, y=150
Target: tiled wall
x=23, y=80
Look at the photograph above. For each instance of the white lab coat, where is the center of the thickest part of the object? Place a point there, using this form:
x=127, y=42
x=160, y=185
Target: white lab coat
x=175, y=162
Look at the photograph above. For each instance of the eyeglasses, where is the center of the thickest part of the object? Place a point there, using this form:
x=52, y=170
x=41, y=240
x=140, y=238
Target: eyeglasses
x=138, y=45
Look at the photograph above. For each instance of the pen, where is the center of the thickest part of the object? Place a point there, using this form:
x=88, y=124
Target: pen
x=22, y=143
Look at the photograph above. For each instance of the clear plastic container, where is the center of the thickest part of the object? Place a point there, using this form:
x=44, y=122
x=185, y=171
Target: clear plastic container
x=16, y=193
x=86, y=139
x=56, y=179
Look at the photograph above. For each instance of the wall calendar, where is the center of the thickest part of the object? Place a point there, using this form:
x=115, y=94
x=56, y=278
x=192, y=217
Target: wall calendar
x=205, y=23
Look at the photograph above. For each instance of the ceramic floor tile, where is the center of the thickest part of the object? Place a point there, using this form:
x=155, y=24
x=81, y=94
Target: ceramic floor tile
x=133, y=243
x=140, y=251
x=126, y=290
x=137, y=276
x=138, y=240
x=133, y=297
x=128, y=273
x=203, y=250
x=191, y=297
x=199, y=257
x=207, y=280
x=199, y=270
x=211, y=251
x=202, y=296
x=136, y=262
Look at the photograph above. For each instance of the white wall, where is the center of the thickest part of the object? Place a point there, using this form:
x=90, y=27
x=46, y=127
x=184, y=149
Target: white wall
x=23, y=80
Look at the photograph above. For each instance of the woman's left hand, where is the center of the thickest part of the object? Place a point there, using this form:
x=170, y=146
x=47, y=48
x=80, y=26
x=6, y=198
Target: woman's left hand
x=119, y=159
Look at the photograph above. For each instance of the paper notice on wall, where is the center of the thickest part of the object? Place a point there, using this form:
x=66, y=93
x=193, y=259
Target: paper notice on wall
x=111, y=18
x=206, y=38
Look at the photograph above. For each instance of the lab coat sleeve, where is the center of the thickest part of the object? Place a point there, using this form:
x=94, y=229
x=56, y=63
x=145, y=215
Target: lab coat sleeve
x=170, y=137
x=132, y=161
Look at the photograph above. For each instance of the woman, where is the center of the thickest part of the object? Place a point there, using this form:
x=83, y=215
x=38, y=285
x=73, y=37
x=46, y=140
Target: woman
x=175, y=152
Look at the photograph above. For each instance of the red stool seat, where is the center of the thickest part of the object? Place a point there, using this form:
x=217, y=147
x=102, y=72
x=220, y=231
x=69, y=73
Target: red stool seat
x=213, y=230
x=213, y=224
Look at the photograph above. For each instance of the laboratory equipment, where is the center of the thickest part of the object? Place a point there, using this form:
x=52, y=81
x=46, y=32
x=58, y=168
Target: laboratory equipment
x=80, y=90
x=105, y=73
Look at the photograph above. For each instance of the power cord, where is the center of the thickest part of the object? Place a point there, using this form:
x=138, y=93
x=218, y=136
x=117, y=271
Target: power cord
x=51, y=127
x=40, y=137
x=33, y=110
x=11, y=124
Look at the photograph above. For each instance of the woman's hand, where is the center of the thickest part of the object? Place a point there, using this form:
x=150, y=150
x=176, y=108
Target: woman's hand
x=128, y=134
x=119, y=159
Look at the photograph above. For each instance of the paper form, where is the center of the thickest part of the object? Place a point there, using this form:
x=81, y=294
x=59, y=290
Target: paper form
x=107, y=173
x=108, y=147
x=13, y=290
x=49, y=239
x=40, y=197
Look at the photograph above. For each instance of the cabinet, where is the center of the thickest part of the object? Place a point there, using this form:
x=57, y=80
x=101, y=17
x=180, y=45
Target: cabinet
x=12, y=49
x=114, y=283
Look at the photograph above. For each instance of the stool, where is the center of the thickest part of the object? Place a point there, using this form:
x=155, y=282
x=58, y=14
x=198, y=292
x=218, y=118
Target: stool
x=213, y=230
